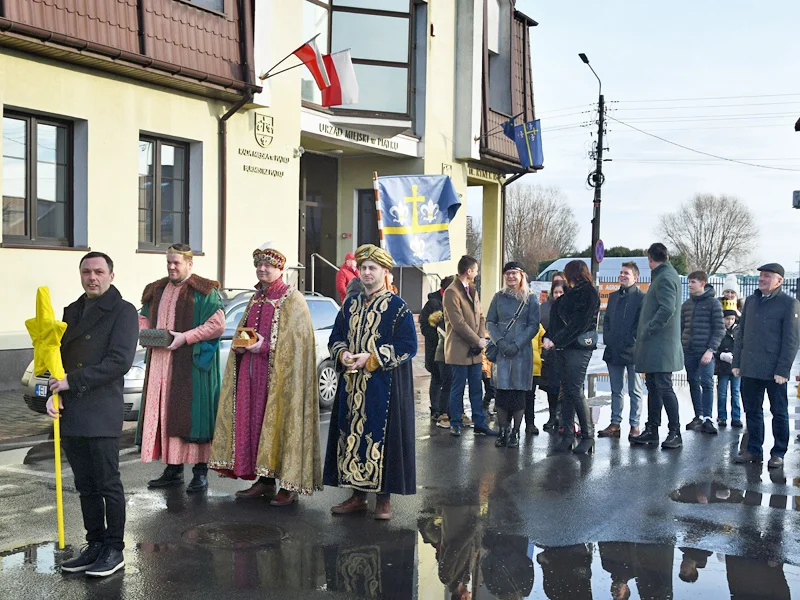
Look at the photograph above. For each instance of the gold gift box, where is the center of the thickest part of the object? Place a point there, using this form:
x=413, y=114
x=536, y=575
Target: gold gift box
x=244, y=337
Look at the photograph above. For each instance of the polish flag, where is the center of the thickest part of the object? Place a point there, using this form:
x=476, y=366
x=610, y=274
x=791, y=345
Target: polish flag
x=344, y=87
x=309, y=54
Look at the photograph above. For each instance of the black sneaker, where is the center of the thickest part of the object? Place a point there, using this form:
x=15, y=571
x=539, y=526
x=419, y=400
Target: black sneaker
x=649, y=436
x=88, y=556
x=694, y=424
x=737, y=424
x=722, y=422
x=673, y=441
x=109, y=562
x=708, y=427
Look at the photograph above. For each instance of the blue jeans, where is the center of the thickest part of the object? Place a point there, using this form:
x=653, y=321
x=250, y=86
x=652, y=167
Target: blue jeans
x=753, y=400
x=616, y=375
x=701, y=384
x=463, y=374
x=722, y=397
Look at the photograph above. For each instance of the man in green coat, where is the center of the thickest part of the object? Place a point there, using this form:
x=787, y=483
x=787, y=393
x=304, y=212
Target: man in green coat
x=658, y=352
x=182, y=382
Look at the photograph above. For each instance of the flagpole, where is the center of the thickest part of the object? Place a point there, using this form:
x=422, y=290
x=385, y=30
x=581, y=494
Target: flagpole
x=492, y=130
x=378, y=208
x=265, y=75
x=57, y=455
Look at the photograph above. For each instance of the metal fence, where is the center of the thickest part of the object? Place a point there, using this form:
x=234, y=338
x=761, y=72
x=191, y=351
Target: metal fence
x=747, y=284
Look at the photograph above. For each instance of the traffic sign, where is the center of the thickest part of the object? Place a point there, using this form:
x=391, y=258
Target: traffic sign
x=599, y=251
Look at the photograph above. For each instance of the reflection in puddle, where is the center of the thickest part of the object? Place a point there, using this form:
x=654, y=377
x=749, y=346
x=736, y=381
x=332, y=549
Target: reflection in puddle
x=453, y=555
x=715, y=493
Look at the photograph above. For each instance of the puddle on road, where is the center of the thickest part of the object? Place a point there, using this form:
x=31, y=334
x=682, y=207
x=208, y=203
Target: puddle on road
x=712, y=492
x=453, y=552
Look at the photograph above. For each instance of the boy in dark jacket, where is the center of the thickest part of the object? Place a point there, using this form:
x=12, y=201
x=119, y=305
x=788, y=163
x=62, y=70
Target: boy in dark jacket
x=701, y=333
x=620, y=322
x=724, y=359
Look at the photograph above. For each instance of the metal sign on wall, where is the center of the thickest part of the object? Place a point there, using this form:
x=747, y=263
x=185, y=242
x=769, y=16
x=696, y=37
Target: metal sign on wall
x=264, y=129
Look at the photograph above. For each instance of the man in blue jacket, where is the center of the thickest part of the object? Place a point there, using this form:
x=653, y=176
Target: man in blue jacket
x=701, y=333
x=765, y=348
x=619, y=335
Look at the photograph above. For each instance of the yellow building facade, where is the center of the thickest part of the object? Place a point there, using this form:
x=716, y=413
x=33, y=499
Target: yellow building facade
x=125, y=153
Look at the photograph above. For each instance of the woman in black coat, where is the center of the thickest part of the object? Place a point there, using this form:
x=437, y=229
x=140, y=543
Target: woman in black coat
x=548, y=380
x=573, y=335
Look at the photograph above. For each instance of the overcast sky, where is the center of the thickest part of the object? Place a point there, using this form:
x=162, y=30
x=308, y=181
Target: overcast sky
x=649, y=51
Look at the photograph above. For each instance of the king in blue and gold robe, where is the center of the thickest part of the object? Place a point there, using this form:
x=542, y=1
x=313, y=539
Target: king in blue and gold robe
x=371, y=438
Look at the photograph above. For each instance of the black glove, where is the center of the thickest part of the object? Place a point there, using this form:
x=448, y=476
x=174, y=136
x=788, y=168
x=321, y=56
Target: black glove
x=510, y=349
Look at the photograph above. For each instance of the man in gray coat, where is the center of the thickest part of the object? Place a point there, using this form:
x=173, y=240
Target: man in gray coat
x=763, y=353
x=658, y=352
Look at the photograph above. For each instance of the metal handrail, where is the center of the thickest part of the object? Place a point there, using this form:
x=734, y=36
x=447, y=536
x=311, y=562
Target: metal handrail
x=313, y=267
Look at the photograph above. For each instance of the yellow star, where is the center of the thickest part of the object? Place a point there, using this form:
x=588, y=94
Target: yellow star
x=46, y=334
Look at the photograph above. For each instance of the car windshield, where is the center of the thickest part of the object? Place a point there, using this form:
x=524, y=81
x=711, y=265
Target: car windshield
x=233, y=314
x=323, y=312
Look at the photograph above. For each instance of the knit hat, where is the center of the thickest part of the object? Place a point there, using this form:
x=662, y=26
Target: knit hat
x=729, y=313
x=349, y=256
x=731, y=283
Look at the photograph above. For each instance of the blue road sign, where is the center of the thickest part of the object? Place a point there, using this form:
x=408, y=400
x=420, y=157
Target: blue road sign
x=599, y=251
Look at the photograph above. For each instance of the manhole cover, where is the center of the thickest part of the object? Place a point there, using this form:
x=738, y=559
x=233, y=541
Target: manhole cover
x=236, y=536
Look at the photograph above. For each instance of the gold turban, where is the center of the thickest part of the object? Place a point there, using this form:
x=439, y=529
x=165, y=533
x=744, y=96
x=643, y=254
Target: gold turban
x=271, y=256
x=374, y=253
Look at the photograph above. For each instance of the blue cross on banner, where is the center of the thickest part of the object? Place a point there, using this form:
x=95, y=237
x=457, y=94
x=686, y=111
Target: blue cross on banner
x=528, y=138
x=416, y=211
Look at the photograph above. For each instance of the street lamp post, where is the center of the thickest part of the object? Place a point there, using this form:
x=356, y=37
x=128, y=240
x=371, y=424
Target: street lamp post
x=596, y=178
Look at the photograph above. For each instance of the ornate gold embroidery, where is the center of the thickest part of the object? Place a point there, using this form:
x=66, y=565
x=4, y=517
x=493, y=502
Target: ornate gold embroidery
x=362, y=334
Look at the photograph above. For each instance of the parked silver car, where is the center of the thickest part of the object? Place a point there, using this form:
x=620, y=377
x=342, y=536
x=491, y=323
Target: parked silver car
x=323, y=314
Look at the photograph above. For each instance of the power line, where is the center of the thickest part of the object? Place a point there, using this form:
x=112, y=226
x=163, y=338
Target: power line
x=733, y=160
x=684, y=118
x=709, y=98
x=563, y=109
x=737, y=127
x=707, y=106
x=697, y=159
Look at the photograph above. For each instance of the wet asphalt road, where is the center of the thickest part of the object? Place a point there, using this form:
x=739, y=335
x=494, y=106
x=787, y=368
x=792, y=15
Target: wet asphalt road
x=508, y=523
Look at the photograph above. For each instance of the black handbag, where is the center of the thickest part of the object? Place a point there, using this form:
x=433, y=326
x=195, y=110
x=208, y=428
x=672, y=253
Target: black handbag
x=492, y=351
x=586, y=341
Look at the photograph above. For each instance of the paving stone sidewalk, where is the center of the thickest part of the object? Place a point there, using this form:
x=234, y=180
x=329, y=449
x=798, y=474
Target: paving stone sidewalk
x=17, y=420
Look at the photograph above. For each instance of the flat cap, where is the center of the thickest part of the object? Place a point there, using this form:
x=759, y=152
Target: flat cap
x=772, y=268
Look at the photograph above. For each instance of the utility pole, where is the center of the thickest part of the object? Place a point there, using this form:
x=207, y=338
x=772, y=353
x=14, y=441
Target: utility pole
x=596, y=178
x=597, y=182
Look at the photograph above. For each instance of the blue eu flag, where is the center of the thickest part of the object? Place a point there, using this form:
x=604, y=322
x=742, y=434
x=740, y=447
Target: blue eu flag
x=528, y=138
x=416, y=211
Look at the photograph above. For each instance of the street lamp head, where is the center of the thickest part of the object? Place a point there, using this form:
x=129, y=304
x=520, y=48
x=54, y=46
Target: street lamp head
x=584, y=58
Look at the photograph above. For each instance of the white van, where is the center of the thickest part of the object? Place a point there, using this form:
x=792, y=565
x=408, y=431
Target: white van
x=609, y=269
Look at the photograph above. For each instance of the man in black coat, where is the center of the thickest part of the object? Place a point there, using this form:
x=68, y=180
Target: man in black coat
x=619, y=335
x=701, y=333
x=97, y=350
x=429, y=318
x=766, y=345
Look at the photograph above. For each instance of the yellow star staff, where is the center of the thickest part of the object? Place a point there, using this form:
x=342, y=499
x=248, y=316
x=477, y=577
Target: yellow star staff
x=46, y=334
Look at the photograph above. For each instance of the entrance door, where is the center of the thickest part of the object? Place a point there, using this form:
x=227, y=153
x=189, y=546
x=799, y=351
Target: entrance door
x=367, y=218
x=318, y=194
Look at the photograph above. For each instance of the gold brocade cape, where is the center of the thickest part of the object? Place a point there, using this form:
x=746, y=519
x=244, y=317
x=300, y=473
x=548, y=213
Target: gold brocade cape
x=288, y=447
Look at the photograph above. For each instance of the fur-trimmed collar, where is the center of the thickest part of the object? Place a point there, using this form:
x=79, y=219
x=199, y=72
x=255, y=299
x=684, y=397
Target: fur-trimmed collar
x=199, y=284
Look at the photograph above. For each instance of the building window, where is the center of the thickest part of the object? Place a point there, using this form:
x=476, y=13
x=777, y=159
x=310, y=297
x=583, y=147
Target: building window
x=378, y=34
x=36, y=180
x=163, y=193
x=215, y=5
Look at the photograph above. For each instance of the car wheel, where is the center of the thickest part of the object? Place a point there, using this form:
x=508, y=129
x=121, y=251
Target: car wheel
x=328, y=382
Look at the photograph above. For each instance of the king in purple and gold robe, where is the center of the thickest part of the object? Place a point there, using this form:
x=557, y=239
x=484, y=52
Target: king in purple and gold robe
x=268, y=416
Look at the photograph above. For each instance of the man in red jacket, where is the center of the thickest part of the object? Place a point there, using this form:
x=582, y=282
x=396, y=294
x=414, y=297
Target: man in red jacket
x=347, y=271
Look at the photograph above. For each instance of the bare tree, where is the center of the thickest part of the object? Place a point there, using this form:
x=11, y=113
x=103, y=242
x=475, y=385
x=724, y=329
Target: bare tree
x=474, y=237
x=539, y=226
x=711, y=232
